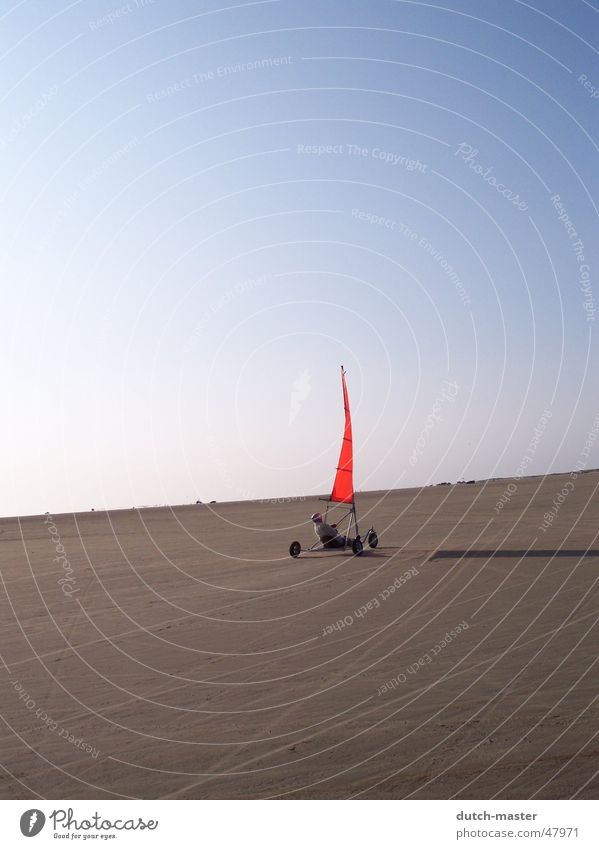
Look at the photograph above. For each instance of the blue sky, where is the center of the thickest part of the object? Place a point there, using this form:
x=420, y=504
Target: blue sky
x=207, y=209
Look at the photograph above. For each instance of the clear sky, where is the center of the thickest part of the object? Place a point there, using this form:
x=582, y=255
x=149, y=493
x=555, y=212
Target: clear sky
x=207, y=208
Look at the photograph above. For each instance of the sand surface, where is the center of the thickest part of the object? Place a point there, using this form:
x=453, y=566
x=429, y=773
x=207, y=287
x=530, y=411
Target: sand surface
x=191, y=657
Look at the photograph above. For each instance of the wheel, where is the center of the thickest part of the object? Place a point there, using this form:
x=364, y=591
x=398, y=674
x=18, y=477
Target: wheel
x=357, y=546
x=295, y=548
x=373, y=539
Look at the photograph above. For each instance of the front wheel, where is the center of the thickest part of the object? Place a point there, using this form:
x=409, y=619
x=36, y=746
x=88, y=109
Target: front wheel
x=373, y=539
x=357, y=547
x=295, y=548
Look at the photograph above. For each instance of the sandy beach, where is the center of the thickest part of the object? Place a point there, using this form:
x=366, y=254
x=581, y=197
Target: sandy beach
x=181, y=653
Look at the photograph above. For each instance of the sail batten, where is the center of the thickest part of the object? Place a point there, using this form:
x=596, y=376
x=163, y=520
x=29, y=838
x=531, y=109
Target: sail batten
x=343, y=487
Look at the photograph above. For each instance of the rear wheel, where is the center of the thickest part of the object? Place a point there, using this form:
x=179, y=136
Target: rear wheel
x=357, y=547
x=373, y=539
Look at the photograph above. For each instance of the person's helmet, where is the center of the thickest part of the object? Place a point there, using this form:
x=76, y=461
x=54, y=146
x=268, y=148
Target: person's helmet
x=316, y=517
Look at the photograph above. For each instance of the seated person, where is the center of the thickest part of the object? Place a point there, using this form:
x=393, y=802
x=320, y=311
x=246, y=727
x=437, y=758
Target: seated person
x=328, y=534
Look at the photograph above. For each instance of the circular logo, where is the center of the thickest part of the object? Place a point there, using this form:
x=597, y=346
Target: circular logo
x=32, y=822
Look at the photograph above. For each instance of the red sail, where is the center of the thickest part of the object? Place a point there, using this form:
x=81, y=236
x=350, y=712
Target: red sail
x=343, y=488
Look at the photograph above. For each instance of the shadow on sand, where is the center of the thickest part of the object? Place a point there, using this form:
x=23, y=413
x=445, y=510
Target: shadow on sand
x=379, y=552
x=514, y=552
